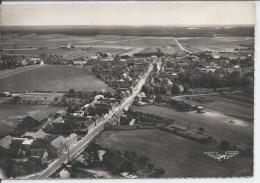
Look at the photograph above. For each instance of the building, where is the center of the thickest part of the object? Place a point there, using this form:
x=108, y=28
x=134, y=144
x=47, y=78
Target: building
x=64, y=174
x=19, y=147
x=26, y=144
x=101, y=108
x=72, y=139
x=40, y=154
x=33, y=121
x=79, y=63
x=35, y=135
x=58, y=120
x=60, y=113
x=58, y=146
x=6, y=141
x=200, y=109
x=70, y=124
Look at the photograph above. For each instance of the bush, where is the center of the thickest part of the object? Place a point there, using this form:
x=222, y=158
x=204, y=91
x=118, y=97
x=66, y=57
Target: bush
x=224, y=144
x=159, y=171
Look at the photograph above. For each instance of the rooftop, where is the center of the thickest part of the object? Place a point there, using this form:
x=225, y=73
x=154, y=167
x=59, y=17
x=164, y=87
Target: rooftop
x=58, y=142
x=39, y=134
x=6, y=141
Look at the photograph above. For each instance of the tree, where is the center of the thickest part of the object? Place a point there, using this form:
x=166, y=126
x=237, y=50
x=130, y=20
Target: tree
x=234, y=79
x=73, y=108
x=71, y=92
x=159, y=171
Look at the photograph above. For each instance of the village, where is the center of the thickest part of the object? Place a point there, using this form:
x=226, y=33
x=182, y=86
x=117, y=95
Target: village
x=42, y=138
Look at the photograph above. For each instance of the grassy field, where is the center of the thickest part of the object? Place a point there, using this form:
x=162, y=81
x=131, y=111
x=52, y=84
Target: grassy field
x=179, y=157
x=84, y=45
x=215, y=124
x=214, y=43
x=237, y=104
x=11, y=115
x=52, y=78
x=116, y=44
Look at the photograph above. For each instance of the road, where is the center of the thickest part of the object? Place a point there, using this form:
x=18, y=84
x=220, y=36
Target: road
x=84, y=141
x=180, y=46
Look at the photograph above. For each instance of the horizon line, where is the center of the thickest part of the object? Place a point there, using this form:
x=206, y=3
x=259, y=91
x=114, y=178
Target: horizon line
x=104, y=25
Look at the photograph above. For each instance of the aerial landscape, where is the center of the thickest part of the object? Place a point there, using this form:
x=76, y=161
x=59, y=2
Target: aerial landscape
x=96, y=104
x=136, y=90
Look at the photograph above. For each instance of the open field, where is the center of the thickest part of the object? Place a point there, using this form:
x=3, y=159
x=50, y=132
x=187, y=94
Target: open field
x=178, y=156
x=237, y=104
x=36, y=44
x=52, y=78
x=214, y=43
x=215, y=124
x=11, y=115
x=9, y=72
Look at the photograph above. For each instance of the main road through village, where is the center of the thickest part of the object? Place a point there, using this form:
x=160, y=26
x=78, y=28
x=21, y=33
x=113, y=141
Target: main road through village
x=84, y=141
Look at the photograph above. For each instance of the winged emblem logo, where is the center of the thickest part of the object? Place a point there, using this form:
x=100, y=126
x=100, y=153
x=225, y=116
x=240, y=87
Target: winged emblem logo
x=220, y=157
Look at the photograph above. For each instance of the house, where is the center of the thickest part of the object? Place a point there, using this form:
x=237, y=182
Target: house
x=90, y=123
x=33, y=120
x=65, y=128
x=64, y=174
x=26, y=144
x=200, y=109
x=60, y=113
x=42, y=154
x=128, y=175
x=72, y=139
x=23, y=143
x=132, y=122
x=19, y=146
x=70, y=124
x=35, y=135
x=101, y=108
x=58, y=120
x=79, y=62
x=6, y=141
x=23, y=62
x=59, y=146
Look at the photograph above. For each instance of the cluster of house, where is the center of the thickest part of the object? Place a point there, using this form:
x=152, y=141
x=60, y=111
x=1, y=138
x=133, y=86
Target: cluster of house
x=122, y=76
x=31, y=61
x=83, y=120
x=11, y=62
x=44, y=138
x=32, y=151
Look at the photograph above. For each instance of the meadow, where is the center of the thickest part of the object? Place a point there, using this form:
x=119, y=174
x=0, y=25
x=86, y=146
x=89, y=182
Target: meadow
x=218, y=44
x=52, y=78
x=179, y=157
x=215, y=124
x=234, y=104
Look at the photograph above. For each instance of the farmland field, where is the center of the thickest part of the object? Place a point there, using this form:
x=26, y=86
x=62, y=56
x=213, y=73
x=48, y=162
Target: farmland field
x=52, y=78
x=214, y=43
x=215, y=124
x=178, y=156
x=237, y=104
x=36, y=44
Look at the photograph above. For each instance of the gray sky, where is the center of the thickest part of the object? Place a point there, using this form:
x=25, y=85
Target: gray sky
x=128, y=13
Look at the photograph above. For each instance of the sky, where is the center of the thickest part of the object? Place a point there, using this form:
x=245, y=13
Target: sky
x=127, y=13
